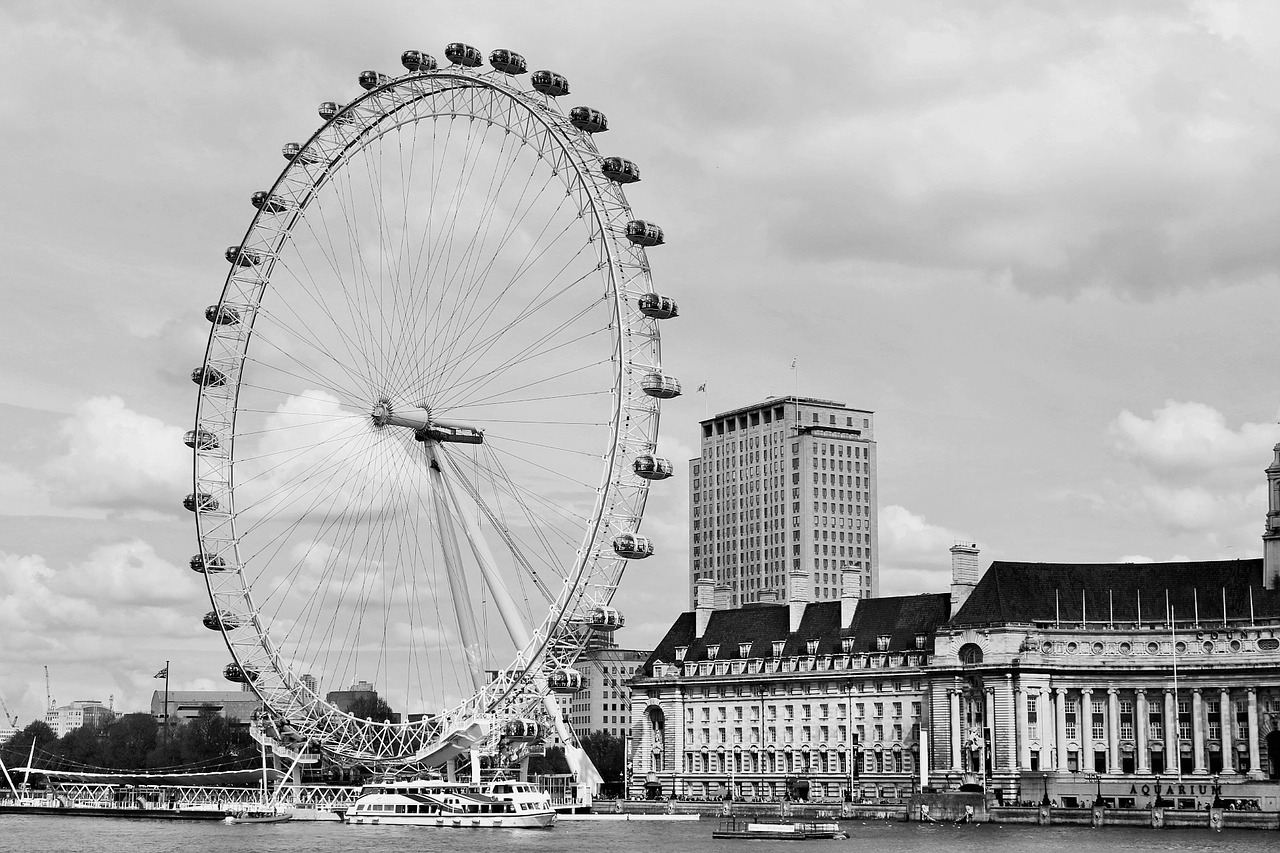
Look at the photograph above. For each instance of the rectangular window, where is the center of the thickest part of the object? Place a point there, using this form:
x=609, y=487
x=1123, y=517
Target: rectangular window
x=1033, y=712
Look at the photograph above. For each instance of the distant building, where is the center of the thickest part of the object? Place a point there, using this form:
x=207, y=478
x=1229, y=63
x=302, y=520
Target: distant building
x=344, y=700
x=604, y=702
x=186, y=704
x=7, y=733
x=785, y=485
x=87, y=712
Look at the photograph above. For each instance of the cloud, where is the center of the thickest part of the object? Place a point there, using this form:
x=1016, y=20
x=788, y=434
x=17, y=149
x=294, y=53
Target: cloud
x=1185, y=441
x=119, y=460
x=915, y=556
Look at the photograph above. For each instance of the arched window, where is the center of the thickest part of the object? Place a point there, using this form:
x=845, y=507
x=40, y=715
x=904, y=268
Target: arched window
x=970, y=653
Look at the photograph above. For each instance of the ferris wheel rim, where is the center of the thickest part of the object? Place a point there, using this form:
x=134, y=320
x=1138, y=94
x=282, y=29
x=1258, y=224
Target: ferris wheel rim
x=589, y=553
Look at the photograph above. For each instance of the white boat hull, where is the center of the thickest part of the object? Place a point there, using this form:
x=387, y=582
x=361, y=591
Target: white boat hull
x=463, y=821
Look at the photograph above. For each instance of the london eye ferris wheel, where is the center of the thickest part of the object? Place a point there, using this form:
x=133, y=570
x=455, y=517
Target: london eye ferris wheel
x=428, y=412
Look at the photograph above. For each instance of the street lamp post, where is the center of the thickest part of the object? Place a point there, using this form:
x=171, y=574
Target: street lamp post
x=1097, y=778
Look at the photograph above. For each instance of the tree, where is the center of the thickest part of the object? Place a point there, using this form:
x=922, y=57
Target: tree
x=205, y=737
x=606, y=752
x=372, y=708
x=130, y=740
x=550, y=764
x=82, y=747
x=15, y=752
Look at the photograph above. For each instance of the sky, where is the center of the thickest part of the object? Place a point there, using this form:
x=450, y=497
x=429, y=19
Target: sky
x=1036, y=239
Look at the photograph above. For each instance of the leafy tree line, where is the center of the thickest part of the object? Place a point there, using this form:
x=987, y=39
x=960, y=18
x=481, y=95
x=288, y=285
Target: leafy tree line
x=137, y=742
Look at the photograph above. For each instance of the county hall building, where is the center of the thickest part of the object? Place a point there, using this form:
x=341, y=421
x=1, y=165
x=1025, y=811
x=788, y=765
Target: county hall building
x=1059, y=681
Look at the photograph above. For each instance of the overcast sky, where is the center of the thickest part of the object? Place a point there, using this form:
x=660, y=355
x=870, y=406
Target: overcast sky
x=1037, y=239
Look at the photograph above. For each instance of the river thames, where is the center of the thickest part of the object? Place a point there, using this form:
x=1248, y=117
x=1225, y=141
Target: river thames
x=96, y=835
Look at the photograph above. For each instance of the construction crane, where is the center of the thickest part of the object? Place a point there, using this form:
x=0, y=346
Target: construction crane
x=48, y=694
x=10, y=717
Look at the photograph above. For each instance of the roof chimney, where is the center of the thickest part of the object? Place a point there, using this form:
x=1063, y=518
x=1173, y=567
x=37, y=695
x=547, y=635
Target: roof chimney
x=797, y=596
x=850, y=594
x=767, y=596
x=723, y=595
x=964, y=573
x=704, y=600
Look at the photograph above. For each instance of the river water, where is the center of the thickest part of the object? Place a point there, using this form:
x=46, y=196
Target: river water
x=97, y=835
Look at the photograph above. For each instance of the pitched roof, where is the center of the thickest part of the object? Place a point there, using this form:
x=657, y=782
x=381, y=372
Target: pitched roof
x=900, y=618
x=1099, y=592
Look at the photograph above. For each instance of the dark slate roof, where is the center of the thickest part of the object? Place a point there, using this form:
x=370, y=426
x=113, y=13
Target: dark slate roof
x=901, y=618
x=1098, y=592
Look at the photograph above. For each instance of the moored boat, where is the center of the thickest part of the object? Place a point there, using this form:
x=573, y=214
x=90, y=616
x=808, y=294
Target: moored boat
x=506, y=805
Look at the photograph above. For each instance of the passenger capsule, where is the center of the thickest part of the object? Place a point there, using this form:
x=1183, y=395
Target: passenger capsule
x=416, y=60
x=200, y=500
x=293, y=151
x=565, y=681
x=200, y=439
x=644, y=233
x=585, y=118
x=632, y=547
x=508, y=62
x=657, y=306
x=267, y=203
x=660, y=385
x=215, y=621
x=620, y=170
x=334, y=112
x=242, y=257
x=463, y=54
x=208, y=377
x=550, y=83
x=372, y=80
x=206, y=563
x=238, y=674
x=605, y=619
x=652, y=467
x=523, y=730
x=222, y=315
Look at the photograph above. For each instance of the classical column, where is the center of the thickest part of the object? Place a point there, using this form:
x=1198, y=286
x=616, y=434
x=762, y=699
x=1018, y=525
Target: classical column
x=1171, y=759
x=1141, y=719
x=1084, y=721
x=1113, y=730
x=1255, y=761
x=989, y=736
x=1226, y=720
x=1197, y=731
x=1060, y=726
x=1020, y=698
x=954, y=697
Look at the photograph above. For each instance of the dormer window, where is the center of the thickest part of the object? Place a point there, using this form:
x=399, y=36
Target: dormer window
x=882, y=643
x=778, y=646
x=712, y=651
x=846, y=645
x=811, y=647
x=680, y=652
x=920, y=640
x=744, y=650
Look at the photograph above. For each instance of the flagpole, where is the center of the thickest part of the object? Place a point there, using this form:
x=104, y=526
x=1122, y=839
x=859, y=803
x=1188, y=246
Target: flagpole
x=166, y=701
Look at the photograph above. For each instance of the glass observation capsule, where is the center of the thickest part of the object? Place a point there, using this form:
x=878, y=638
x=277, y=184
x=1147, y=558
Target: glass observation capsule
x=632, y=546
x=652, y=467
x=293, y=151
x=463, y=54
x=200, y=500
x=660, y=385
x=208, y=377
x=215, y=621
x=265, y=202
x=205, y=563
x=416, y=60
x=550, y=83
x=372, y=80
x=523, y=730
x=200, y=439
x=605, y=619
x=508, y=62
x=657, y=306
x=644, y=233
x=222, y=315
x=620, y=170
x=242, y=257
x=565, y=680
x=589, y=120
x=240, y=675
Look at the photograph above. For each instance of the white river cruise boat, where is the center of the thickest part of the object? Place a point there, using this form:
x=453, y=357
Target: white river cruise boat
x=499, y=804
